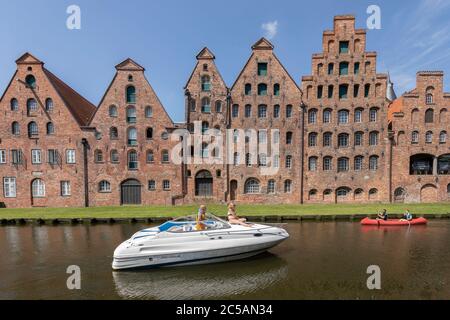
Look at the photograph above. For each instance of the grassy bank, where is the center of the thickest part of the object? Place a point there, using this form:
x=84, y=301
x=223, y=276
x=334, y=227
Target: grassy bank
x=246, y=210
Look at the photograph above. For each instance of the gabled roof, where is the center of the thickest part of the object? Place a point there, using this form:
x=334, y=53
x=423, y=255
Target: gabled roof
x=263, y=44
x=79, y=107
x=28, y=58
x=205, y=53
x=129, y=65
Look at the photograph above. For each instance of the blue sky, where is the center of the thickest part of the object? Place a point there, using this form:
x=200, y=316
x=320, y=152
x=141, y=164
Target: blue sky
x=164, y=36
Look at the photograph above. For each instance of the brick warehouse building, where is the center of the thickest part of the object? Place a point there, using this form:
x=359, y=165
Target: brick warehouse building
x=343, y=137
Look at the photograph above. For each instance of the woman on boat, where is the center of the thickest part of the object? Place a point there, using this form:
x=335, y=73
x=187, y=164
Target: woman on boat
x=383, y=215
x=233, y=218
x=201, y=216
x=407, y=216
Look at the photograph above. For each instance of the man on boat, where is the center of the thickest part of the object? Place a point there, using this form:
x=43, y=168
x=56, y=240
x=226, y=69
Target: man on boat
x=383, y=215
x=201, y=216
x=407, y=216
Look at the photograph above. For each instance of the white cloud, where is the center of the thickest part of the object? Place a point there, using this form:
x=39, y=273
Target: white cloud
x=270, y=28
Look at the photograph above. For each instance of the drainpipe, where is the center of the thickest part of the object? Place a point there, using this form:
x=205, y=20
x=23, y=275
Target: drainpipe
x=391, y=156
x=227, y=126
x=85, y=144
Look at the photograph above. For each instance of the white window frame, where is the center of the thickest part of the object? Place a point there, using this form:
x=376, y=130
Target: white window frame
x=36, y=156
x=2, y=156
x=65, y=189
x=38, y=188
x=71, y=156
x=9, y=187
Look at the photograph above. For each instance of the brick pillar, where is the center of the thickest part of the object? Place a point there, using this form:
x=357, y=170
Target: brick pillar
x=435, y=165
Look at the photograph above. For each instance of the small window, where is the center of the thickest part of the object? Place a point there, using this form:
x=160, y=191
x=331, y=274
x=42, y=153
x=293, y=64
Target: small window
x=33, y=131
x=132, y=137
x=443, y=137
x=343, y=116
x=312, y=116
x=288, y=163
x=327, y=116
x=343, y=91
x=248, y=89
x=235, y=111
x=330, y=91
x=206, y=105
x=327, y=139
x=104, y=186
x=205, y=67
x=358, y=115
x=14, y=104
x=359, y=139
x=373, y=163
x=358, y=165
x=356, y=68
x=148, y=112
x=289, y=136
x=152, y=185
x=343, y=140
x=288, y=186
x=415, y=137
x=165, y=156
x=343, y=164
x=113, y=111
x=98, y=156
x=30, y=80
x=366, y=90
x=31, y=106
x=262, y=89
x=330, y=68
x=429, y=98
x=205, y=127
x=130, y=78
x=327, y=164
x=428, y=137
x=319, y=92
x=343, y=68
x=271, y=186
x=248, y=111
x=65, y=189
x=373, y=138
x=36, y=156
x=113, y=133
x=131, y=115
x=429, y=116
x=114, y=156
x=262, y=111
x=276, y=111
x=131, y=94
x=206, y=84
x=373, y=114
x=149, y=133
x=53, y=157
x=251, y=186
x=276, y=89
x=132, y=160
x=2, y=156
x=218, y=106
x=166, y=185
x=9, y=187
x=288, y=111
x=50, y=128
x=312, y=164
x=312, y=139
x=356, y=91
x=49, y=105
x=38, y=188
x=70, y=156
x=262, y=69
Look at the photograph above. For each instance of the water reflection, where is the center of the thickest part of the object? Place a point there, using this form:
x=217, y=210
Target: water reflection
x=202, y=282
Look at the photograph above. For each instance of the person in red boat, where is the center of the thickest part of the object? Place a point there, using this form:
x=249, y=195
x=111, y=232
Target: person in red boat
x=383, y=215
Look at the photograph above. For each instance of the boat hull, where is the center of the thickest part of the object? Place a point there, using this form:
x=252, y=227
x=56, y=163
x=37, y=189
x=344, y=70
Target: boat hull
x=396, y=222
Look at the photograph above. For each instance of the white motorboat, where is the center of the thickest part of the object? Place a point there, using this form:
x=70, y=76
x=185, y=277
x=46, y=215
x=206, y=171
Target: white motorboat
x=178, y=242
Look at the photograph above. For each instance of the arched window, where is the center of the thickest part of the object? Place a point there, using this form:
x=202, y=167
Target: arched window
x=206, y=105
x=131, y=114
x=399, y=194
x=14, y=104
x=327, y=163
x=373, y=163
x=262, y=160
x=429, y=137
x=287, y=186
x=276, y=111
x=358, y=165
x=218, y=106
x=31, y=106
x=271, y=186
x=248, y=111
x=113, y=133
x=132, y=137
x=30, y=80
x=358, y=115
x=150, y=156
x=429, y=98
x=443, y=137
x=343, y=140
x=312, y=195
x=131, y=94
x=276, y=89
x=414, y=115
x=49, y=105
x=312, y=116
x=312, y=139
x=443, y=116
x=262, y=89
x=288, y=111
x=165, y=156
x=248, y=89
x=343, y=116
x=15, y=128
x=359, y=138
x=415, y=137
x=132, y=160
x=205, y=127
x=343, y=164
x=130, y=78
x=342, y=192
x=206, y=83
x=50, y=128
x=373, y=194
x=327, y=139
x=33, y=129
x=235, y=111
x=373, y=138
x=312, y=164
x=327, y=116
x=104, y=186
x=98, y=155
x=38, y=188
x=358, y=193
x=251, y=186
x=262, y=111
x=429, y=116
x=148, y=112
x=113, y=111
x=114, y=156
x=373, y=114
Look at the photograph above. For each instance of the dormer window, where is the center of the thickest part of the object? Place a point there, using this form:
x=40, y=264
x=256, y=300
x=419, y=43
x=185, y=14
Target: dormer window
x=30, y=80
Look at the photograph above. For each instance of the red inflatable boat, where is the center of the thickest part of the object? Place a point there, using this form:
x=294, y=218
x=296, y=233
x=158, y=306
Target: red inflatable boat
x=393, y=222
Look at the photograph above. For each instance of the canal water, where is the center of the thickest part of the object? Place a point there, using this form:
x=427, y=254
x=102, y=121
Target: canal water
x=321, y=260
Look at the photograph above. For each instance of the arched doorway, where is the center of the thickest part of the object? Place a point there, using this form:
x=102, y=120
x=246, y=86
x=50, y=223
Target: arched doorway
x=428, y=194
x=203, y=184
x=233, y=190
x=130, y=192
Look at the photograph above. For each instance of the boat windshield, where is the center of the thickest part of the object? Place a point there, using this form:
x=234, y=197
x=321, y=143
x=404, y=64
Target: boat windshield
x=189, y=224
